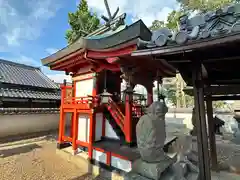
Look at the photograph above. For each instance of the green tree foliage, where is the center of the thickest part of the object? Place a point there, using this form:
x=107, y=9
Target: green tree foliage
x=82, y=22
x=189, y=6
x=173, y=18
x=203, y=5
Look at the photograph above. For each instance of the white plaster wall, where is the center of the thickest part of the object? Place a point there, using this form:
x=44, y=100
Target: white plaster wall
x=84, y=88
x=99, y=121
x=13, y=125
x=122, y=164
x=99, y=156
x=183, y=118
x=83, y=127
x=109, y=132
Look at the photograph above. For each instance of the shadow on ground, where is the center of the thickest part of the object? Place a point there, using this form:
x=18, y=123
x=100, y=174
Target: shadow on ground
x=18, y=150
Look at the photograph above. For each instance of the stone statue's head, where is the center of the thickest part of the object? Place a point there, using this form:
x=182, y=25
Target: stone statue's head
x=158, y=108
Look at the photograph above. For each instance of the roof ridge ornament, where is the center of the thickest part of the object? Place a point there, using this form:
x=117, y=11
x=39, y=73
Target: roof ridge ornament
x=110, y=16
x=211, y=24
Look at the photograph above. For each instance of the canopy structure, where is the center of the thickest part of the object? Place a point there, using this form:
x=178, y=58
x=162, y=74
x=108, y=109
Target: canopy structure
x=205, y=52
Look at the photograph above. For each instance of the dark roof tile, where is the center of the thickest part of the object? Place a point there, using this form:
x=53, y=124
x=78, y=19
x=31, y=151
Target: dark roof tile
x=21, y=93
x=213, y=24
x=15, y=73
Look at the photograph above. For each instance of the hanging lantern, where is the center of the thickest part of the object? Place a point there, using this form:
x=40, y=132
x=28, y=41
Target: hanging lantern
x=105, y=97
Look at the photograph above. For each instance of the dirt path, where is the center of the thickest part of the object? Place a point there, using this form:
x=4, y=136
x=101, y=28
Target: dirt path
x=36, y=161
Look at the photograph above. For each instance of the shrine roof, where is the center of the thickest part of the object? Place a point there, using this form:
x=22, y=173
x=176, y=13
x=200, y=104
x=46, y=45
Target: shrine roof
x=105, y=39
x=220, y=26
x=23, y=75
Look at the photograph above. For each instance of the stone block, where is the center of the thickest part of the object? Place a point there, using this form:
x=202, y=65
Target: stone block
x=151, y=170
x=95, y=171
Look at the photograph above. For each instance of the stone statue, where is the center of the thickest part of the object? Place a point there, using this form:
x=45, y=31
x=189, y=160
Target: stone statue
x=151, y=133
x=151, y=136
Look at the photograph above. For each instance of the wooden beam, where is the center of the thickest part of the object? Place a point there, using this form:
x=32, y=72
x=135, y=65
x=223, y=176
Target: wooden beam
x=225, y=98
x=217, y=90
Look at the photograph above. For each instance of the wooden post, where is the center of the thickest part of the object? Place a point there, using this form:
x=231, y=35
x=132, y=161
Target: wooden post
x=75, y=131
x=62, y=115
x=202, y=140
x=211, y=133
x=61, y=126
x=128, y=117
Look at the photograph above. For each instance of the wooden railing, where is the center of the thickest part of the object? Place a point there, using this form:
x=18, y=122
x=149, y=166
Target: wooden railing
x=81, y=100
x=68, y=99
x=137, y=110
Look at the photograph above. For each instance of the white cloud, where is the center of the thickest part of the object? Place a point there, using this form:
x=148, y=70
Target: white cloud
x=23, y=60
x=58, y=78
x=148, y=11
x=26, y=60
x=25, y=22
x=51, y=50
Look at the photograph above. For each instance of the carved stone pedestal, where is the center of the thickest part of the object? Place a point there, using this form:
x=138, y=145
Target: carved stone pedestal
x=151, y=170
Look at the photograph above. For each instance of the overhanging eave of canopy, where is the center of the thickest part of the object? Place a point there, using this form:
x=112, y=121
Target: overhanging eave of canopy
x=220, y=58
x=212, y=38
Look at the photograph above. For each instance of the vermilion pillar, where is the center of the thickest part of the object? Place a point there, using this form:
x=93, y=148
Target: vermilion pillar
x=91, y=133
x=62, y=118
x=128, y=129
x=75, y=131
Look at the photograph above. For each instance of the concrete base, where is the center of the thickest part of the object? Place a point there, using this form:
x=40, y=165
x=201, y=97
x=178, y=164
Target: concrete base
x=81, y=160
x=63, y=145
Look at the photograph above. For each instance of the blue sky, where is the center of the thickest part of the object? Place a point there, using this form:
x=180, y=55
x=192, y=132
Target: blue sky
x=33, y=29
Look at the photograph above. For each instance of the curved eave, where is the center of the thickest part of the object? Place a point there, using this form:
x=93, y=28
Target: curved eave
x=90, y=56
x=61, y=54
x=116, y=40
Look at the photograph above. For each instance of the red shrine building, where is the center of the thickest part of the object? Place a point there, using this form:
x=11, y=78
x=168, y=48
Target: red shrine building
x=103, y=117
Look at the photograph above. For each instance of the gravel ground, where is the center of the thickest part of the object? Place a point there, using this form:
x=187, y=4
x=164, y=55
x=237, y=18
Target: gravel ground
x=37, y=161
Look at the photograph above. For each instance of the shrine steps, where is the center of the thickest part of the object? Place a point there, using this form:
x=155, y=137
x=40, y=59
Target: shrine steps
x=115, y=115
x=114, y=125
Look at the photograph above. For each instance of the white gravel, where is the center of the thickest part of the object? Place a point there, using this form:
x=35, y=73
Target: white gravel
x=37, y=161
